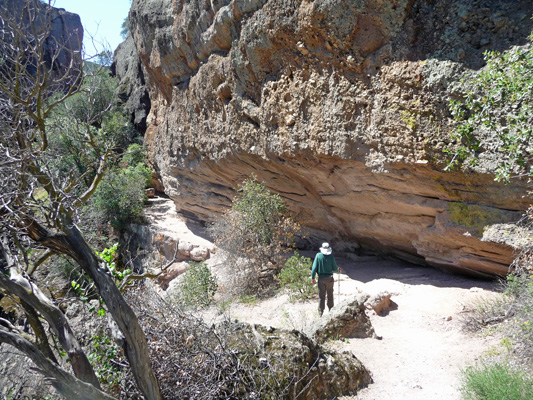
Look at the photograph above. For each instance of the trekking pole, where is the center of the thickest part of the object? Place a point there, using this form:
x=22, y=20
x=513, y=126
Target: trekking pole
x=339, y=280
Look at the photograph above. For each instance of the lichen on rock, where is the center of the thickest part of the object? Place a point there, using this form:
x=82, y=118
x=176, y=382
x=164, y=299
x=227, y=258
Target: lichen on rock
x=347, y=319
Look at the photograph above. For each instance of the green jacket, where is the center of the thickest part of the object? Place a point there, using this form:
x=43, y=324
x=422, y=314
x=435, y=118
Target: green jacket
x=324, y=266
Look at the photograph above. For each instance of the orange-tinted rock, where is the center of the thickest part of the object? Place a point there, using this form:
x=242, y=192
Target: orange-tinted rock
x=339, y=106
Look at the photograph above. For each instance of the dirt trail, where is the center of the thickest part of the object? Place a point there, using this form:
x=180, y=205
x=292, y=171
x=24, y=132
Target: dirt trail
x=422, y=348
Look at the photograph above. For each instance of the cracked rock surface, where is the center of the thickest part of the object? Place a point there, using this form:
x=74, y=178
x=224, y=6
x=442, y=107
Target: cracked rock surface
x=339, y=106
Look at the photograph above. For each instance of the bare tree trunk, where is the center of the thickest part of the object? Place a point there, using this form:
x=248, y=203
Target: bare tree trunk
x=32, y=295
x=28, y=81
x=38, y=330
x=72, y=243
x=136, y=347
x=65, y=383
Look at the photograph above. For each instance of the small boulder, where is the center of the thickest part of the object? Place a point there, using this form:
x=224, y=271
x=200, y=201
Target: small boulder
x=199, y=254
x=381, y=303
x=291, y=359
x=346, y=319
x=170, y=273
x=185, y=248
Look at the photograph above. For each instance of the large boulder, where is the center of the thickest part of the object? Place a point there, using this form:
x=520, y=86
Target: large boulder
x=339, y=106
x=131, y=89
x=291, y=359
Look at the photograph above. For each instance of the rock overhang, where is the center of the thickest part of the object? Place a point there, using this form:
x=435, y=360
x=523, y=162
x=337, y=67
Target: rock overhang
x=349, y=129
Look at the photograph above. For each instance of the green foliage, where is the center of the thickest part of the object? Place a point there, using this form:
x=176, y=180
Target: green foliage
x=295, y=277
x=109, y=256
x=249, y=299
x=134, y=155
x=133, y=163
x=495, y=381
x=496, y=113
x=259, y=211
x=198, y=286
x=77, y=288
x=120, y=197
x=125, y=28
x=258, y=230
x=520, y=284
x=104, y=353
x=76, y=121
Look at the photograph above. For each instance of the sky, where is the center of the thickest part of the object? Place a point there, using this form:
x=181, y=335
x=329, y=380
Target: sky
x=100, y=18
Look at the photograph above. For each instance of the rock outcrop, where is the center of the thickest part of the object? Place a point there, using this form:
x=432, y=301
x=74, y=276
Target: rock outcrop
x=347, y=319
x=61, y=30
x=292, y=359
x=339, y=106
x=132, y=90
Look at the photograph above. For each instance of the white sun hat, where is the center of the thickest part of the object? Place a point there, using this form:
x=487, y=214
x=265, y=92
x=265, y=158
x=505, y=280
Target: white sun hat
x=325, y=249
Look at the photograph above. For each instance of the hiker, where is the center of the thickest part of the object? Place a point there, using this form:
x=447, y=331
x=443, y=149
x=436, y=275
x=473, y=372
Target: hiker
x=324, y=265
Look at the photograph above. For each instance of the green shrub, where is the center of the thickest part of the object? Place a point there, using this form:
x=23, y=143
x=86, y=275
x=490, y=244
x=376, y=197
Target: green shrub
x=134, y=155
x=496, y=113
x=120, y=197
x=257, y=234
x=105, y=351
x=296, y=278
x=198, y=286
x=495, y=382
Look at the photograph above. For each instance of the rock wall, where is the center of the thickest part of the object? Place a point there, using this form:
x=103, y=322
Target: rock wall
x=340, y=106
x=62, y=48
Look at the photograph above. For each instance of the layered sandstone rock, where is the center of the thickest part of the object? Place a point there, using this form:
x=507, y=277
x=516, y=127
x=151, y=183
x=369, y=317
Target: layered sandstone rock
x=341, y=107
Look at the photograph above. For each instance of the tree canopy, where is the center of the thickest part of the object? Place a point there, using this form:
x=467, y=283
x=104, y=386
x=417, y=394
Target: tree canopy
x=58, y=140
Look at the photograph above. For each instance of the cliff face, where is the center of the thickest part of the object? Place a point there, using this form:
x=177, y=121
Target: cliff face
x=64, y=34
x=340, y=106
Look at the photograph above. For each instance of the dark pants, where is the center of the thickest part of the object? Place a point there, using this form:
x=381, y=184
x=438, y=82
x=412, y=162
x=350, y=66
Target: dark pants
x=325, y=287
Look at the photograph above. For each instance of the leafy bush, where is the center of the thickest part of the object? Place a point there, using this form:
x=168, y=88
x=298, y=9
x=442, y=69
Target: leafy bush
x=520, y=326
x=495, y=382
x=120, y=197
x=257, y=233
x=104, y=356
x=295, y=277
x=513, y=311
x=134, y=155
x=198, y=286
x=90, y=115
x=495, y=115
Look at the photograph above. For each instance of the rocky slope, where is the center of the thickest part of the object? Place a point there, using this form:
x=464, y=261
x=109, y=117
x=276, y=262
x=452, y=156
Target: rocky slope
x=340, y=106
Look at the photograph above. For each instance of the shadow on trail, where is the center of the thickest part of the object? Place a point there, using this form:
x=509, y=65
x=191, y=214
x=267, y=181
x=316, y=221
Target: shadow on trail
x=368, y=269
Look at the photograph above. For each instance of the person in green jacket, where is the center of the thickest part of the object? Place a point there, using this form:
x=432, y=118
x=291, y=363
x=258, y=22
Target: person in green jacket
x=324, y=265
